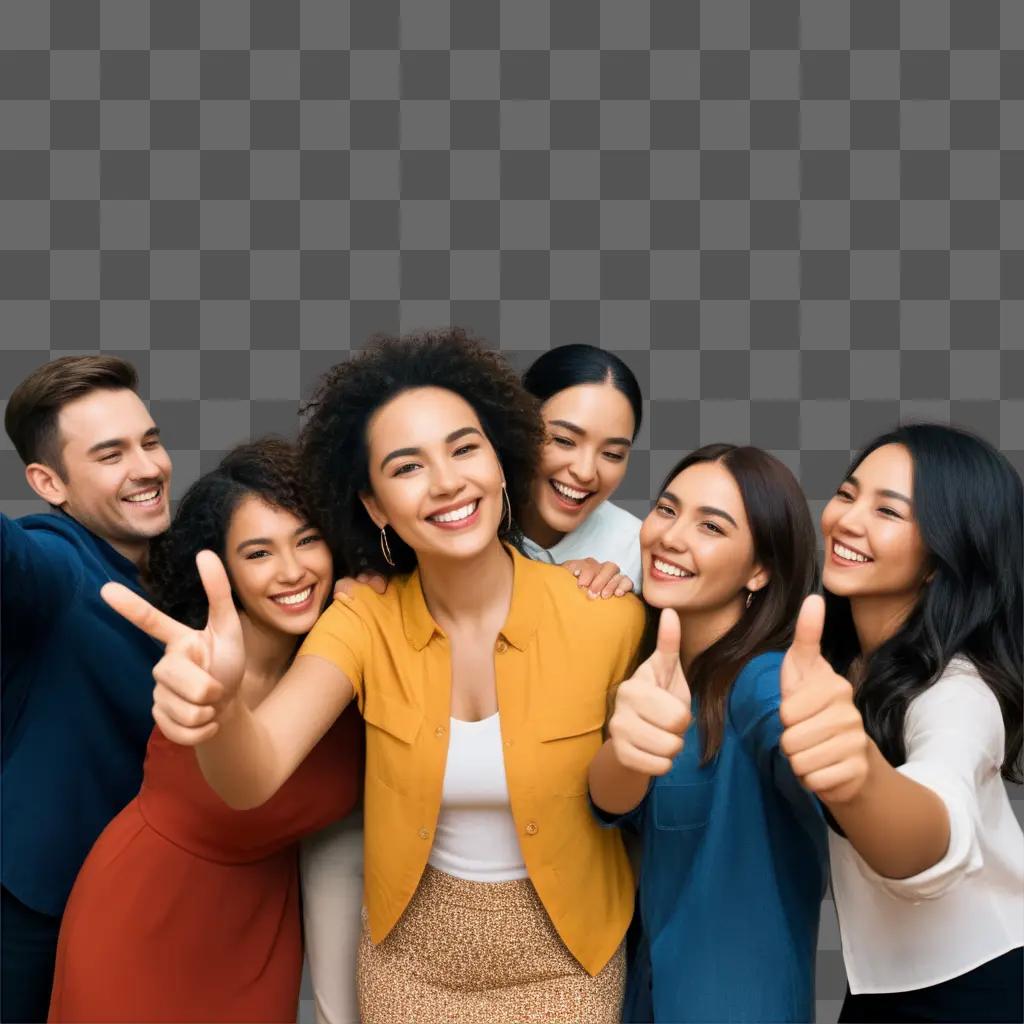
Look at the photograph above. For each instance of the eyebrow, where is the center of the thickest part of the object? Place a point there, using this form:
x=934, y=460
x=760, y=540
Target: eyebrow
x=266, y=542
x=884, y=492
x=580, y=432
x=705, y=510
x=454, y=436
x=120, y=442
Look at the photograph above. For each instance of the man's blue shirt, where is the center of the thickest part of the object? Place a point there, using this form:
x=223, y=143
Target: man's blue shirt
x=733, y=872
x=76, y=702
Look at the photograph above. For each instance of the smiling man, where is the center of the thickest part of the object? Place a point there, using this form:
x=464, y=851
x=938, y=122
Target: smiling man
x=76, y=678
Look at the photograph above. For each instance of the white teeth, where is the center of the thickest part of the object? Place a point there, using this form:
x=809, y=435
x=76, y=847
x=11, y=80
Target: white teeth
x=670, y=570
x=569, y=492
x=848, y=553
x=294, y=598
x=458, y=514
x=144, y=496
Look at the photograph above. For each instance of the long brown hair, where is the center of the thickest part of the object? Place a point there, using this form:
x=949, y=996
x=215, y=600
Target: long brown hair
x=785, y=546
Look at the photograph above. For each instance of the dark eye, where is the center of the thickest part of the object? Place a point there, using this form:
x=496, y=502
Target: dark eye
x=614, y=456
x=403, y=470
x=714, y=528
x=311, y=538
x=844, y=494
x=463, y=449
x=665, y=510
x=110, y=457
x=891, y=512
x=151, y=444
x=256, y=554
x=564, y=442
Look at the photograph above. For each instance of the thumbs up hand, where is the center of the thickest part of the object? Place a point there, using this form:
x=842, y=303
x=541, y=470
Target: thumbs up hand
x=198, y=678
x=652, y=707
x=824, y=736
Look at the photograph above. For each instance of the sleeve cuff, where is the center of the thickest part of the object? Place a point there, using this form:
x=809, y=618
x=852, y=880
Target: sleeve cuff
x=962, y=857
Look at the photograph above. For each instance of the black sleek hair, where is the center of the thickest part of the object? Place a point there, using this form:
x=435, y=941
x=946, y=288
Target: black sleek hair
x=268, y=469
x=569, y=365
x=969, y=506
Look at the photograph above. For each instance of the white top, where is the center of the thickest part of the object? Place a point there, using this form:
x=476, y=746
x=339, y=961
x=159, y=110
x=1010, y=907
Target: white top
x=476, y=837
x=609, y=534
x=908, y=933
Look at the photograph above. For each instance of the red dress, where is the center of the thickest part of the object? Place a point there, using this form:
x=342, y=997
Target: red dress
x=186, y=910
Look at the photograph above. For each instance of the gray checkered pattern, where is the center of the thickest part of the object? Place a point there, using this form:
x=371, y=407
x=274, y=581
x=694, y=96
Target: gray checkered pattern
x=797, y=221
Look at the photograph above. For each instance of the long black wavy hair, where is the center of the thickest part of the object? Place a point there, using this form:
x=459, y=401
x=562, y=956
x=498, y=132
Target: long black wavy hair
x=784, y=545
x=969, y=506
x=267, y=468
x=334, y=441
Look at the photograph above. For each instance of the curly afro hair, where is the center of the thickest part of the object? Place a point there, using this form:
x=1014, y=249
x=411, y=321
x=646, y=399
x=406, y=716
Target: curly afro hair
x=269, y=469
x=333, y=441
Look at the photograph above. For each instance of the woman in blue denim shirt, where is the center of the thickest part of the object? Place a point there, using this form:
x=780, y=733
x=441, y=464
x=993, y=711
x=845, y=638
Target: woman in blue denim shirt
x=734, y=850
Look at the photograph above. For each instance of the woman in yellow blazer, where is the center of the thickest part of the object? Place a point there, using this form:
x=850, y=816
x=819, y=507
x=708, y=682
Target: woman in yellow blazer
x=491, y=894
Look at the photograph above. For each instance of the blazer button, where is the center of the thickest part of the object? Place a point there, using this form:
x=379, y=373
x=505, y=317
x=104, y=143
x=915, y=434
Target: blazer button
x=439, y=731
x=423, y=834
x=532, y=828
x=501, y=647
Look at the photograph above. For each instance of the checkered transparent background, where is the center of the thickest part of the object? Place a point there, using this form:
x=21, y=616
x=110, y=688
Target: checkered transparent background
x=798, y=222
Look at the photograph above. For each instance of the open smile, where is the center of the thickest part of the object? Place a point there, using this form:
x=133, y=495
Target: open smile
x=668, y=571
x=842, y=554
x=150, y=498
x=568, y=496
x=457, y=517
x=295, y=601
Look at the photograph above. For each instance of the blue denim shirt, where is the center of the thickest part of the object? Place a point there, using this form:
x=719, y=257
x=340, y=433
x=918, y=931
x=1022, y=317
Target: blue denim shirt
x=733, y=872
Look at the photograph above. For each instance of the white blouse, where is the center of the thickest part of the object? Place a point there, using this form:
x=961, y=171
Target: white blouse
x=608, y=534
x=909, y=933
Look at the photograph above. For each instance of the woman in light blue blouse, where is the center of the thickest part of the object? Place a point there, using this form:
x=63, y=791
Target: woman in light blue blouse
x=734, y=850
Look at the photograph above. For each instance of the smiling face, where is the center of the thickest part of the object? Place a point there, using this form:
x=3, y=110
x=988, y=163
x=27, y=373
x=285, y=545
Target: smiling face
x=696, y=544
x=589, y=432
x=873, y=547
x=117, y=472
x=280, y=568
x=434, y=476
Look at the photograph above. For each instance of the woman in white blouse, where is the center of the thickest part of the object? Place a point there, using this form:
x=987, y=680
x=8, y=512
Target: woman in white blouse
x=592, y=408
x=923, y=615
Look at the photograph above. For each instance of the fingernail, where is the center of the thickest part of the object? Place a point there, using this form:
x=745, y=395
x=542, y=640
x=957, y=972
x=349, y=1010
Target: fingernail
x=590, y=593
x=576, y=572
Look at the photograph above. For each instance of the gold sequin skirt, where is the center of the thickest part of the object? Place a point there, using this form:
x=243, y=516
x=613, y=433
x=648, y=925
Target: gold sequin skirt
x=480, y=953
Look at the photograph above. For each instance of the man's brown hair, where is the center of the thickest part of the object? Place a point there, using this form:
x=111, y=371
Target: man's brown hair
x=35, y=404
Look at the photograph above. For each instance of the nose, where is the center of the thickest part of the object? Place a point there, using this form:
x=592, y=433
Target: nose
x=851, y=520
x=145, y=466
x=290, y=569
x=445, y=480
x=674, y=537
x=584, y=467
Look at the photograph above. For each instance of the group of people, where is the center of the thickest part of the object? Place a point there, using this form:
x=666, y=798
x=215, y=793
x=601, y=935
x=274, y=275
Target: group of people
x=414, y=715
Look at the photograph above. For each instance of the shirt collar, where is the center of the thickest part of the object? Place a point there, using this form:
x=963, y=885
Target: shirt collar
x=519, y=627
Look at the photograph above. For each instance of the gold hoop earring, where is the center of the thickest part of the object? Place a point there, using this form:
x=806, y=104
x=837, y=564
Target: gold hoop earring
x=507, y=508
x=750, y=598
x=385, y=547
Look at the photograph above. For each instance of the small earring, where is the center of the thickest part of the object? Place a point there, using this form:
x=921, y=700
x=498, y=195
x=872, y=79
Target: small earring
x=750, y=598
x=385, y=547
x=507, y=506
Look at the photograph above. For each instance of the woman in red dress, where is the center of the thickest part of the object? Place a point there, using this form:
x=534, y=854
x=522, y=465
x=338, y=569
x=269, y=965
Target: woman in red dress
x=186, y=910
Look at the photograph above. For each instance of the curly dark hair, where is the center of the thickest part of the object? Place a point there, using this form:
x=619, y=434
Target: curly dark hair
x=333, y=442
x=267, y=468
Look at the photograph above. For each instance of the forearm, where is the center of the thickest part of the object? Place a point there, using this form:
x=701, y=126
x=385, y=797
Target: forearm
x=239, y=762
x=614, y=788
x=897, y=825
